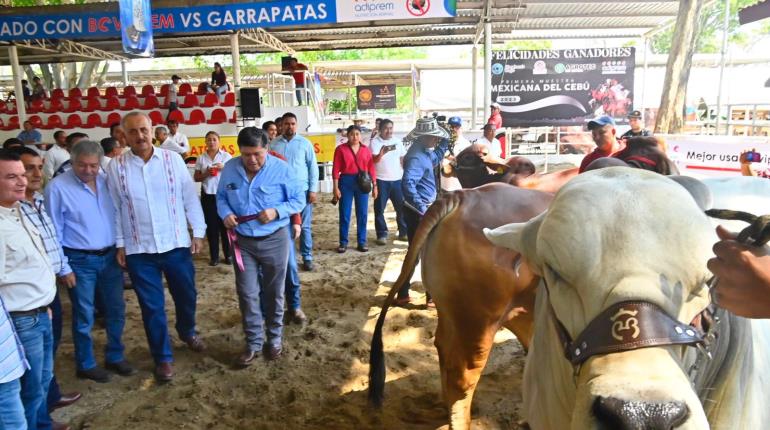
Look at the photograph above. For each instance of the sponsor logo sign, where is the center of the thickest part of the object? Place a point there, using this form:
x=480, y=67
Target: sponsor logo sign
x=376, y=96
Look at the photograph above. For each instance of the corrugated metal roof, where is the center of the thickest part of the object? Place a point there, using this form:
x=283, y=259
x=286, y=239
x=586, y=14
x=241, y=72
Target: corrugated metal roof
x=510, y=19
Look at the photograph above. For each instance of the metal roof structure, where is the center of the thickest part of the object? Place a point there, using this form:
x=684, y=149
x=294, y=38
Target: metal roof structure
x=510, y=20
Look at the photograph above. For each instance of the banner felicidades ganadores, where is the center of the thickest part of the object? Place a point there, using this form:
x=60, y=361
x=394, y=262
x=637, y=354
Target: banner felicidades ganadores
x=562, y=87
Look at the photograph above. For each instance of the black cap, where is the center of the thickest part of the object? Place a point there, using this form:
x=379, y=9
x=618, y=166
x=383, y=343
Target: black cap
x=175, y=77
x=635, y=114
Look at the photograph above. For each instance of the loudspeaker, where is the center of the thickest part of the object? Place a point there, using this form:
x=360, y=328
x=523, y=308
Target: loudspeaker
x=251, y=106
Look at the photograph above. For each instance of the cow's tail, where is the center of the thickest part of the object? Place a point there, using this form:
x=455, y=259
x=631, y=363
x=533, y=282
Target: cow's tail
x=433, y=217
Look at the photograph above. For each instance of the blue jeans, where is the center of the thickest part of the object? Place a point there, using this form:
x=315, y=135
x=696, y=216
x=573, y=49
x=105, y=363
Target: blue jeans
x=54, y=394
x=11, y=407
x=388, y=190
x=306, y=237
x=292, y=293
x=36, y=336
x=96, y=273
x=350, y=192
x=145, y=271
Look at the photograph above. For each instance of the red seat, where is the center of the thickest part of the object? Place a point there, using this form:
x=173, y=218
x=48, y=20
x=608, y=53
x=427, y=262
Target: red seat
x=210, y=100
x=218, y=116
x=185, y=89
x=92, y=105
x=36, y=106
x=234, y=119
x=73, y=121
x=147, y=90
x=131, y=103
x=156, y=117
x=111, y=92
x=190, y=100
x=196, y=116
x=150, y=102
x=93, y=120
x=11, y=108
x=74, y=105
x=55, y=105
x=229, y=99
x=13, y=123
x=129, y=91
x=54, y=121
x=57, y=93
x=93, y=92
x=176, y=115
x=164, y=90
x=3, y=107
x=112, y=118
x=35, y=121
x=203, y=88
x=75, y=93
x=113, y=103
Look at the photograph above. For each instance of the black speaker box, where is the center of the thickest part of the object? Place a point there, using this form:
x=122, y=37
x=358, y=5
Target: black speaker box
x=250, y=103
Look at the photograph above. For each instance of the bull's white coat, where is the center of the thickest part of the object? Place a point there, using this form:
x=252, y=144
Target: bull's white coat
x=638, y=235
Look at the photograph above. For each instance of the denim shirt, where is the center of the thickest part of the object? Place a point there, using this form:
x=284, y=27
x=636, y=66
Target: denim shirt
x=274, y=186
x=419, y=183
x=300, y=155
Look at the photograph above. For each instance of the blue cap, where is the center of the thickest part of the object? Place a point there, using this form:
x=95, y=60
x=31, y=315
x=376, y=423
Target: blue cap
x=601, y=122
x=455, y=120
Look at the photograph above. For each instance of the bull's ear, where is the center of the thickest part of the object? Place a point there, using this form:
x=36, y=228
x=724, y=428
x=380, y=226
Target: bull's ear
x=508, y=236
x=698, y=190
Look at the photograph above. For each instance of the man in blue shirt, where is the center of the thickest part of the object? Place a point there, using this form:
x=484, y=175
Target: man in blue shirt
x=419, y=182
x=300, y=155
x=256, y=195
x=83, y=213
x=31, y=137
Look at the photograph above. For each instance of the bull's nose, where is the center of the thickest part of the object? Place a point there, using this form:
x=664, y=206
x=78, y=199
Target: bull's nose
x=616, y=414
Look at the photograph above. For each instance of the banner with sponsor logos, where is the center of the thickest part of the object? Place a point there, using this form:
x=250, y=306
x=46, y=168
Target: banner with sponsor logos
x=707, y=156
x=376, y=96
x=562, y=87
x=223, y=17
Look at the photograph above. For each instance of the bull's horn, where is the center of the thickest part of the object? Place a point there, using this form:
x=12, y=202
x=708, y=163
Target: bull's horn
x=507, y=236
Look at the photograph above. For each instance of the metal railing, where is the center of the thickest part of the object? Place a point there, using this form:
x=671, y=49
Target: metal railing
x=747, y=119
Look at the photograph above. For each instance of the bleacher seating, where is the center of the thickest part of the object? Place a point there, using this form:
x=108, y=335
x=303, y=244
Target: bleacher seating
x=203, y=88
x=176, y=115
x=229, y=99
x=185, y=89
x=111, y=92
x=156, y=117
x=93, y=120
x=13, y=123
x=54, y=121
x=73, y=121
x=210, y=100
x=147, y=90
x=218, y=116
x=35, y=120
x=189, y=100
x=75, y=93
x=196, y=117
x=129, y=91
x=150, y=102
x=112, y=118
x=93, y=92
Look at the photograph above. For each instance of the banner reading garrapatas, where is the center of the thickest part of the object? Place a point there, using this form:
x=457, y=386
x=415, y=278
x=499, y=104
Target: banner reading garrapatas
x=562, y=87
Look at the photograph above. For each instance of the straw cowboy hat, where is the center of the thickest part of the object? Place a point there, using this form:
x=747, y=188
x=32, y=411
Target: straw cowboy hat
x=427, y=127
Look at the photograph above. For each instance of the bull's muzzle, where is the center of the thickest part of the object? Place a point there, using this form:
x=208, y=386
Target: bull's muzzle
x=616, y=414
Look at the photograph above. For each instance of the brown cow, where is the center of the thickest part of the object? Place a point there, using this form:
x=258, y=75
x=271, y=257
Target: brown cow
x=474, y=285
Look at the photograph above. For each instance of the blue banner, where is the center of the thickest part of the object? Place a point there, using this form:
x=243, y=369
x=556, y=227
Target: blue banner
x=136, y=27
x=210, y=18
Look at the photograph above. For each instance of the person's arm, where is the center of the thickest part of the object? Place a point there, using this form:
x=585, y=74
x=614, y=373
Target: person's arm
x=48, y=165
x=200, y=173
x=744, y=276
x=113, y=185
x=223, y=205
x=185, y=143
x=312, y=169
x=337, y=165
x=412, y=175
x=438, y=154
x=171, y=145
x=746, y=169
x=192, y=205
x=214, y=79
x=53, y=209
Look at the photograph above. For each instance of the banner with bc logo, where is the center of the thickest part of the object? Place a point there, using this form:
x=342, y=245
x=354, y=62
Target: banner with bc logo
x=562, y=87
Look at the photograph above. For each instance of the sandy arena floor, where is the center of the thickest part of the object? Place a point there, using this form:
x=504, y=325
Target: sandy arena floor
x=321, y=380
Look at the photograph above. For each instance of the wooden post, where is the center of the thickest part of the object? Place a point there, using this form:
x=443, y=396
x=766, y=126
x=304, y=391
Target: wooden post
x=670, y=116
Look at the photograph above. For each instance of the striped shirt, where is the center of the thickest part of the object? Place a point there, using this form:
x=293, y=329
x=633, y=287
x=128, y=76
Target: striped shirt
x=12, y=361
x=35, y=213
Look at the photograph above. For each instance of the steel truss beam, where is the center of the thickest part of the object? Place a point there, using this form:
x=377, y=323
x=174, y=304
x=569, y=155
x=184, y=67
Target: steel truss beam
x=69, y=47
x=262, y=37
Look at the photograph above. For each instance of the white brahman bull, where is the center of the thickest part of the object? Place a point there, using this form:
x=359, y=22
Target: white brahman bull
x=620, y=234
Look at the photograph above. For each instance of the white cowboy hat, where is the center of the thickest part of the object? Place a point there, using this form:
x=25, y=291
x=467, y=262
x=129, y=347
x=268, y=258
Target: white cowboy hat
x=427, y=127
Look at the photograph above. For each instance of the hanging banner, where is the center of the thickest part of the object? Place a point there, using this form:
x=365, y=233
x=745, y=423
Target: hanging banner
x=376, y=96
x=136, y=25
x=706, y=156
x=221, y=17
x=562, y=87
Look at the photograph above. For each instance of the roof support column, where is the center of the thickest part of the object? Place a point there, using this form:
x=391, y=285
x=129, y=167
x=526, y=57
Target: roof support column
x=487, y=68
x=16, y=70
x=646, y=47
x=124, y=71
x=474, y=85
x=235, y=52
x=722, y=70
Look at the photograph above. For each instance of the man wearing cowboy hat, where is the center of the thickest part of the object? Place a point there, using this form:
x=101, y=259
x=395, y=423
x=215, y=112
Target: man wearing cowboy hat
x=419, y=181
x=635, y=121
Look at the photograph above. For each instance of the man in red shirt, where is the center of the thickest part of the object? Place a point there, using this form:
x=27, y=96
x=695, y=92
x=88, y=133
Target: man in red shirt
x=297, y=70
x=495, y=118
x=603, y=133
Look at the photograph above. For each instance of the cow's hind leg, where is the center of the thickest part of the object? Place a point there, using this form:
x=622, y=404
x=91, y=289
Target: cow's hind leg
x=463, y=352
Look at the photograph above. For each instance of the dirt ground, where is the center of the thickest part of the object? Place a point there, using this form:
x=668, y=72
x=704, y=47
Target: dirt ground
x=321, y=380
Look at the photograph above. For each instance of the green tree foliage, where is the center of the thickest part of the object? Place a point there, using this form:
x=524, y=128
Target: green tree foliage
x=710, y=37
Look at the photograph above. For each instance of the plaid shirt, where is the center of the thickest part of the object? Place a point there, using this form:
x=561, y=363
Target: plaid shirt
x=35, y=213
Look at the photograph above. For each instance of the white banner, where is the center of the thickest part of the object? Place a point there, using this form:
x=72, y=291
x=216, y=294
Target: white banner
x=378, y=10
x=715, y=156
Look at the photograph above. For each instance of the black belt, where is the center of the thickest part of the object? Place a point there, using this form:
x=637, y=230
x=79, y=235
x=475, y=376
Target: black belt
x=29, y=313
x=99, y=252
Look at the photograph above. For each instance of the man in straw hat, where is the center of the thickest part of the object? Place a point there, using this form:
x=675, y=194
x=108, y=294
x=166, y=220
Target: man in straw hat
x=419, y=182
